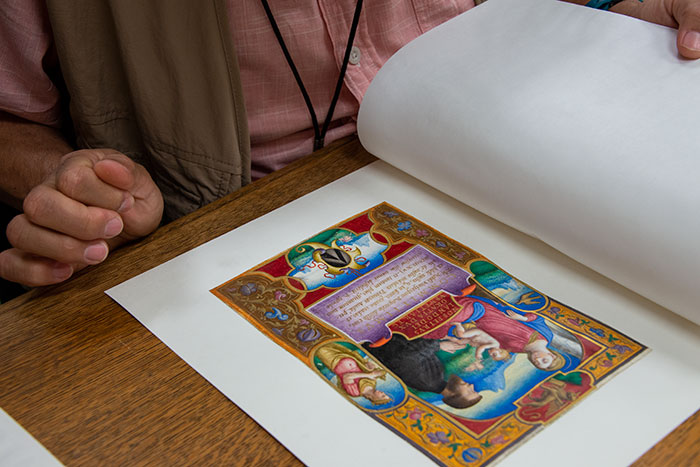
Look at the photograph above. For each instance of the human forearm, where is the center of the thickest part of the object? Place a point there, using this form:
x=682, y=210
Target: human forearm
x=29, y=152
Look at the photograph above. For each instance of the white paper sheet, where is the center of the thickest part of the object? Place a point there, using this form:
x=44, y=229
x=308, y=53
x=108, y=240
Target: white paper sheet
x=612, y=426
x=19, y=448
x=576, y=126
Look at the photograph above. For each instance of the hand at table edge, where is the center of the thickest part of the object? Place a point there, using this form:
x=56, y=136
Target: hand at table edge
x=95, y=201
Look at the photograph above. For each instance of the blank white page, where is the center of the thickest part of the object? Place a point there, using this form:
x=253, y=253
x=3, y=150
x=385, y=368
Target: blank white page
x=573, y=125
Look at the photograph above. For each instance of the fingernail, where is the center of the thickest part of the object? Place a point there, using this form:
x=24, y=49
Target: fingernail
x=113, y=227
x=96, y=253
x=62, y=271
x=127, y=203
x=691, y=40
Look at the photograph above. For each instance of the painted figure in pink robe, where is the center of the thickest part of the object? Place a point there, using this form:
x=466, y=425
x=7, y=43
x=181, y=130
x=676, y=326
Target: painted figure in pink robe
x=514, y=332
x=357, y=376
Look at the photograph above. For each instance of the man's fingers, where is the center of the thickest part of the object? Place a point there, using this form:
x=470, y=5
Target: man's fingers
x=24, y=268
x=687, y=13
x=689, y=44
x=50, y=208
x=76, y=178
x=117, y=170
x=144, y=213
x=95, y=200
x=121, y=172
x=39, y=241
x=108, y=179
x=683, y=14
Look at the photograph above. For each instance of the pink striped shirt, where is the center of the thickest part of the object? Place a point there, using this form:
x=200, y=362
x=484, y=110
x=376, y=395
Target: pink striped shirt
x=25, y=87
x=315, y=32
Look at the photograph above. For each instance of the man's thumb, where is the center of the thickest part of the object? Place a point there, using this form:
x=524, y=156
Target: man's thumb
x=687, y=13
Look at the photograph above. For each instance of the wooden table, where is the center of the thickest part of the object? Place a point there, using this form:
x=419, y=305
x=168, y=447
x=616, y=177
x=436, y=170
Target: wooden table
x=94, y=386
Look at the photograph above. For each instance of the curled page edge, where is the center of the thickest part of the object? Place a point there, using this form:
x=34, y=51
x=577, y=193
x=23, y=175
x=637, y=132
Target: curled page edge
x=572, y=125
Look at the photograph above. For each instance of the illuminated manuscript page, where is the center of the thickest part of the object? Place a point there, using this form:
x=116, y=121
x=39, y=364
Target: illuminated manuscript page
x=309, y=416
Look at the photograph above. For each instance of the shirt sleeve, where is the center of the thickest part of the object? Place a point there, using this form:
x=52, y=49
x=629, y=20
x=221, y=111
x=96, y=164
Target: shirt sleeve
x=26, y=89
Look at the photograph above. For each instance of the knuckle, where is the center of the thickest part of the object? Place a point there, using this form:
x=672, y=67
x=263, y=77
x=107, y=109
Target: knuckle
x=72, y=155
x=6, y=269
x=694, y=7
x=38, y=204
x=35, y=274
x=70, y=249
x=128, y=162
x=17, y=231
x=32, y=276
x=71, y=180
x=688, y=12
x=14, y=269
x=87, y=227
x=79, y=154
x=91, y=225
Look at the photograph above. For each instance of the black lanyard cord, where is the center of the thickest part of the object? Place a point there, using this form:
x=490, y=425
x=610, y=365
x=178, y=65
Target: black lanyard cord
x=319, y=134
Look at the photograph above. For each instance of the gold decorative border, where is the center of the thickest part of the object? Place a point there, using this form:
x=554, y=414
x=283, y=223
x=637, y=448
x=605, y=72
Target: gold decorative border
x=274, y=307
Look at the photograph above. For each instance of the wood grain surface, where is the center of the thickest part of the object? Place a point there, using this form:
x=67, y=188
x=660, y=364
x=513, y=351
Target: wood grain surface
x=681, y=448
x=95, y=387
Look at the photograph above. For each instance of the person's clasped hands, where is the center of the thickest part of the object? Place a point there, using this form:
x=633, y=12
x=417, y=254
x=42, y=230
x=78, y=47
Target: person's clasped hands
x=95, y=200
